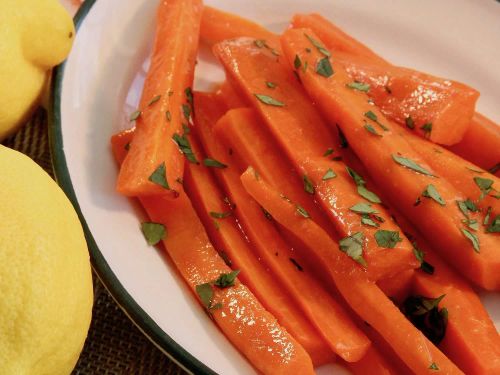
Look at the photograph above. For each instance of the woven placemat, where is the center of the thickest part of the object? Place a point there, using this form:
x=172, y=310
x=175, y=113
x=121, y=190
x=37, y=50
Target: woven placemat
x=114, y=345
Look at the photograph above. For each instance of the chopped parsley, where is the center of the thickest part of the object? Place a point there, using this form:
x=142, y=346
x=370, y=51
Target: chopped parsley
x=186, y=110
x=410, y=124
x=154, y=100
x=205, y=291
x=387, y=238
x=153, y=232
x=308, y=185
x=367, y=220
x=319, y=46
x=363, y=208
x=214, y=163
x=364, y=87
x=328, y=151
x=431, y=192
x=269, y=101
x=159, y=176
x=168, y=116
x=185, y=147
x=220, y=215
x=485, y=185
x=495, y=225
x=427, y=128
x=302, y=211
x=362, y=190
x=324, y=68
x=420, y=255
x=329, y=175
x=372, y=130
x=353, y=247
x=410, y=164
x=135, y=115
x=271, y=85
x=372, y=116
x=474, y=240
x=297, y=63
x=225, y=280
x=434, y=366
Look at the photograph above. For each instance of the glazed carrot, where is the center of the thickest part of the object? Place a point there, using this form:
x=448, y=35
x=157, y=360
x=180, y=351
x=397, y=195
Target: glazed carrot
x=436, y=108
x=230, y=96
x=397, y=168
x=241, y=131
x=208, y=200
x=265, y=343
x=397, y=287
x=304, y=139
x=364, y=297
x=333, y=37
x=471, y=339
x=217, y=26
x=155, y=163
x=323, y=311
x=481, y=144
x=372, y=363
x=459, y=172
x=400, y=92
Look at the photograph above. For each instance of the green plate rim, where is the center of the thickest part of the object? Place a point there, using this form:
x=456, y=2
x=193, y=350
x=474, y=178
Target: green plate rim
x=131, y=308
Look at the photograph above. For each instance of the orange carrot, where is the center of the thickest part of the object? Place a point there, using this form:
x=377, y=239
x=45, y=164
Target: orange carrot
x=194, y=256
x=396, y=167
x=461, y=174
x=217, y=26
x=241, y=131
x=230, y=96
x=435, y=108
x=471, y=339
x=323, y=311
x=333, y=37
x=155, y=163
x=209, y=200
x=364, y=297
x=397, y=287
x=372, y=363
x=481, y=144
x=304, y=138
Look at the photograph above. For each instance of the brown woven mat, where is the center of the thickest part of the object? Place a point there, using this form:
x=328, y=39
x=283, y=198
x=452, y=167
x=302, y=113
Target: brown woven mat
x=114, y=345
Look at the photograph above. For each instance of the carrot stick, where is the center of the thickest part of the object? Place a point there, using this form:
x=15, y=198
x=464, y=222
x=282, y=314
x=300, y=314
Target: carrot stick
x=217, y=26
x=304, y=139
x=436, y=108
x=471, y=339
x=194, y=256
x=224, y=233
x=230, y=96
x=155, y=163
x=323, y=311
x=334, y=37
x=392, y=162
x=240, y=130
x=481, y=141
x=481, y=144
x=459, y=172
x=364, y=297
x=372, y=363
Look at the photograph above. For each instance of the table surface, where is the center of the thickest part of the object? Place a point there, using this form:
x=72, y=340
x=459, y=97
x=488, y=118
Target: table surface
x=114, y=345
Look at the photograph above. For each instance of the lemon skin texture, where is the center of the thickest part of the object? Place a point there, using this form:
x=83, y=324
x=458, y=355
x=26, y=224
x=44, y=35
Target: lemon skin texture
x=45, y=276
x=35, y=36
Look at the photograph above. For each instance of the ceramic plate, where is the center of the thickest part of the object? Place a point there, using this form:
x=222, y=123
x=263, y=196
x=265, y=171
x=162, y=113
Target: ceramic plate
x=100, y=84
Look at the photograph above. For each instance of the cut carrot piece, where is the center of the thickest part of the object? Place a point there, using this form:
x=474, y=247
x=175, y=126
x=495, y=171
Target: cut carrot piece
x=398, y=287
x=460, y=173
x=217, y=26
x=304, y=138
x=372, y=363
x=395, y=166
x=481, y=144
x=229, y=96
x=333, y=37
x=436, y=108
x=188, y=246
x=209, y=201
x=323, y=311
x=154, y=163
x=242, y=132
x=451, y=104
x=364, y=297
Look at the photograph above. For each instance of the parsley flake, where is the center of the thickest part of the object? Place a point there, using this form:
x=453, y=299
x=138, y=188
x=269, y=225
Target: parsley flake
x=214, y=163
x=485, y=185
x=358, y=86
x=297, y=63
x=271, y=85
x=410, y=164
x=372, y=116
x=318, y=45
x=410, y=124
x=302, y=211
x=329, y=175
x=135, y=115
x=363, y=208
x=153, y=232
x=472, y=238
x=328, y=151
x=185, y=147
x=372, y=130
x=159, y=176
x=427, y=128
x=308, y=185
x=431, y=192
x=367, y=220
x=494, y=226
x=324, y=68
x=433, y=366
x=226, y=280
x=269, y=101
x=387, y=238
x=186, y=110
x=154, y=100
x=220, y=215
x=353, y=247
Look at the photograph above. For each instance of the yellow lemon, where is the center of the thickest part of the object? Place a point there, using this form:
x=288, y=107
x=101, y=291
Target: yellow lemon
x=45, y=279
x=35, y=36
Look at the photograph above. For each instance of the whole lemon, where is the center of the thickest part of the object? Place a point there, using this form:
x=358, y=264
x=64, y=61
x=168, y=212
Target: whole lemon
x=35, y=36
x=45, y=279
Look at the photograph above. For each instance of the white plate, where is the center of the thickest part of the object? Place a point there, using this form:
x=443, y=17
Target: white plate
x=103, y=77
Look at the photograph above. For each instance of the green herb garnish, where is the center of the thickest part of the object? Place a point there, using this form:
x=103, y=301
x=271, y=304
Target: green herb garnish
x=387, y=238
x=220, y=215
x=185, y=147
x=153, y=232
x=364, y=87
x=324, y=68
x=410, y=124
x=367, y=220
x=363, y=208
x=271, y=85
x=319, y=46
x=487, y=216
x=472, y=238
x=328, y=151
x=372, y=130
x=494, y=226
x=353, y=247
x=269, y=101
x=431, y=192
x=302, y=211
x=308, y=185
x=135, y=115
x=226, y=280
x=372, y=116
x=362, y=190
x=485, y=185
x=420, y=255
x=214, y=163
x=329, y=175
x=410, y=164
x=154, y=100
x=186, y=110
x=168, y=116
x=297, y=63
x=159, y=176
x=427, y=128
x=434, y=366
